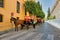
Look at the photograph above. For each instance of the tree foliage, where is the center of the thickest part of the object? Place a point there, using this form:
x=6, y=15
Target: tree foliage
x=29, y=6
x=48, y=17
x=48, y=12
x=34, y=8
x=39, y=12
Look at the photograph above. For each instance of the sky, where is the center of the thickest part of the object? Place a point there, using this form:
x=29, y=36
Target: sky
x=46, y=4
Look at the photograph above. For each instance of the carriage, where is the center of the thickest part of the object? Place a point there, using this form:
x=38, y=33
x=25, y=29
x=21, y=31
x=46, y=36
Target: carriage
x=23, y=23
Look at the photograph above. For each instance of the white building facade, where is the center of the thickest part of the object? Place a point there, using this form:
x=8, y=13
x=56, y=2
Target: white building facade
x=56, y=9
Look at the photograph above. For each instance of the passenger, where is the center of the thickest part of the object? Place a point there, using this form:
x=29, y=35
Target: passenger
x=34, y=23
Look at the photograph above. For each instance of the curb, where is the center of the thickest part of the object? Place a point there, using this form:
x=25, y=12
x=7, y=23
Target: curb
x=6, y=31
x=54, y=25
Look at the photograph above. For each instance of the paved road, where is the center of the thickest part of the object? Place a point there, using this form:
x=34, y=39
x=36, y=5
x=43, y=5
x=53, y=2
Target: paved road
x=42, y=32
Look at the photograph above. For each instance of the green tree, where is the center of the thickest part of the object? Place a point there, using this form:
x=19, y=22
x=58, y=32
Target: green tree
x=54, y=17
x=29, y=6
x=34, y=8
x=39, y=11
x=48, y=13
x=39, y=5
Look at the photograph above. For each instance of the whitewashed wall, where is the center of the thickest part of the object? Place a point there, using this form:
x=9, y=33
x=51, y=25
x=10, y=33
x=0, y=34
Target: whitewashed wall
x=56, y=11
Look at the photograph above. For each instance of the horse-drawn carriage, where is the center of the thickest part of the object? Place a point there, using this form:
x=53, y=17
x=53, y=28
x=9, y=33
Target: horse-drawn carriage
x=23, y=23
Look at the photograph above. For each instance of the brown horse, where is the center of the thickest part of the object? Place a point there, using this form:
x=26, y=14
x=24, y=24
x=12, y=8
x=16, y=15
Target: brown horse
x=18, y=22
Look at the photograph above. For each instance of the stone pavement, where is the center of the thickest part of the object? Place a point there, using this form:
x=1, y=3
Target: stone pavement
x=42, y=32
x=26, y=35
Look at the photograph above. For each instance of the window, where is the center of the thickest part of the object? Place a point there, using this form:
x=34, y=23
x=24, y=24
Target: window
x=1, y=3
x=25, y=12
x=1, y=18
x=18, y=7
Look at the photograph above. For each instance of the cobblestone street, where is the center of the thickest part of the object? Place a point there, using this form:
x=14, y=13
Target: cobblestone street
x=42, y=32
